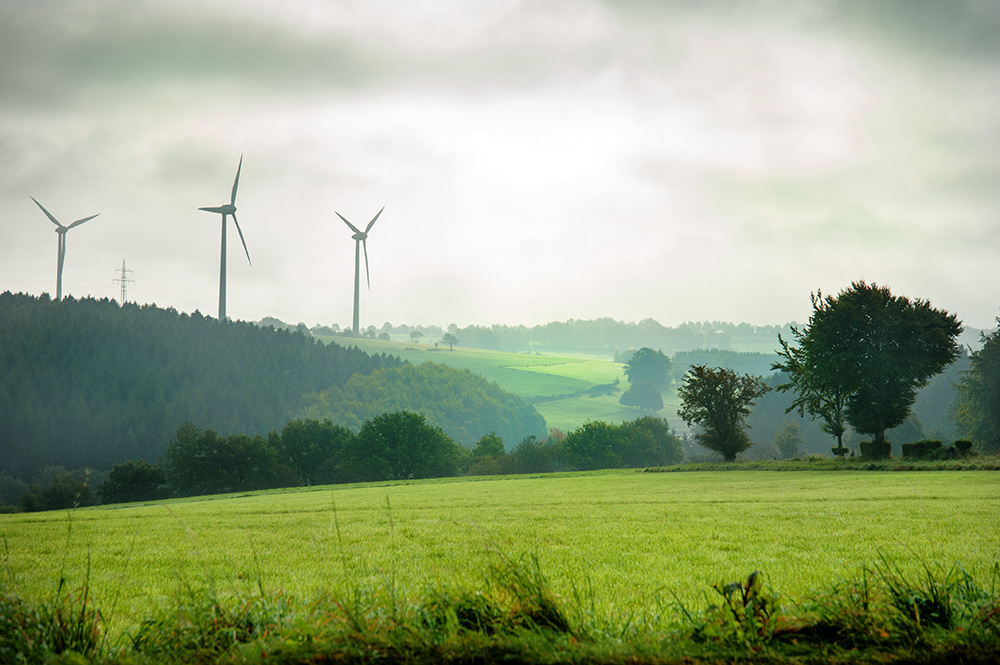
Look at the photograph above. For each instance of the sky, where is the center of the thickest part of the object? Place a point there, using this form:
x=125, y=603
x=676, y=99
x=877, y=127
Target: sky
x=538, y=160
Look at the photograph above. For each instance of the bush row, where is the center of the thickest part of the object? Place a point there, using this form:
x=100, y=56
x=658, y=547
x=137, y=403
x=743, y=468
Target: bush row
x=391, y=446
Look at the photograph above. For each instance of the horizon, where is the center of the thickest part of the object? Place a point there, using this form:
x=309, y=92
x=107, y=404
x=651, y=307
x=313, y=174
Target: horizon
x=538, y=162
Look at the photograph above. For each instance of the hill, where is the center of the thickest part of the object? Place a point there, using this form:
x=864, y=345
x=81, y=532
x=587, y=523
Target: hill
x=88, y=383
x=465, y=405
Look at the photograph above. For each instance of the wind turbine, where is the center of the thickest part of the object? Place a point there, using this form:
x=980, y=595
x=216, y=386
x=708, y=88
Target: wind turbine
x=225, y=210
x=360, y=238
x=61, y=230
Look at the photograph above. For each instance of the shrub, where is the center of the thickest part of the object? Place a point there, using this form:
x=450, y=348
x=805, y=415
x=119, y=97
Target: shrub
x=924, y=450
x=876, y=449
x=963, y=448
x=65, y=490
x=133, y=480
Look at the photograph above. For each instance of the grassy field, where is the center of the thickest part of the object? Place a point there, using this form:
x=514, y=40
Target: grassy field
x=635, y=539
x=554, y=384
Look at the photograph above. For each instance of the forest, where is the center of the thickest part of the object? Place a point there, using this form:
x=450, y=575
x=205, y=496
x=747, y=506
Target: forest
x=87, y=383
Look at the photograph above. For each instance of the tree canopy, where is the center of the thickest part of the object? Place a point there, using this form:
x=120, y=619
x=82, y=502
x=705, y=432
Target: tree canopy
x=398, y=446
x=642, y=395
x=648, y=366
x=718, y=401
x=873, y=350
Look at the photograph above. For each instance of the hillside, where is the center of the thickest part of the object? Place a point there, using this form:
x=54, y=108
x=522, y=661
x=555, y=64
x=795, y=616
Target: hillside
x=89, y=383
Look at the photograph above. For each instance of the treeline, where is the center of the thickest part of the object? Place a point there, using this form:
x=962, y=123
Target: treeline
x=87, y=383
x=608, y=336
x=392, y=446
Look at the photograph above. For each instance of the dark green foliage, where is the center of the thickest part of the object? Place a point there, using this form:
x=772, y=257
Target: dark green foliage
x=202, y=462
x=89, y=383
x=922, y=449
x=134, y=480
x=642, y=395
x=399, y=446
x=718, y=402
x=63, y=490
x=823, y=400
x=649, y=441
x=643, y=442
x=876, y=349
x=978, y=408
x=312, y=449
x=11, y=489
x=875, y=449
x=594, y=445
x=649, y=366
x=534, y=455
x=488, y=456
x=465, y=405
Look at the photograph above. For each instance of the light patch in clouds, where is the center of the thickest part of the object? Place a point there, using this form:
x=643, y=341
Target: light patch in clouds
x=537, y=161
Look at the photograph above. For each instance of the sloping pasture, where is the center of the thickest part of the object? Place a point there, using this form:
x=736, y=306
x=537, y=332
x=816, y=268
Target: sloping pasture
x=556, y=385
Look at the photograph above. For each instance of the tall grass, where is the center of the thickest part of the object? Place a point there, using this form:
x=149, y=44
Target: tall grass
x=516, y=616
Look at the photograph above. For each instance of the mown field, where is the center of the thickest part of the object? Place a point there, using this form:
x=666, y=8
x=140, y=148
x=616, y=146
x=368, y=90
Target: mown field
x=555, y=384
x=628, y=542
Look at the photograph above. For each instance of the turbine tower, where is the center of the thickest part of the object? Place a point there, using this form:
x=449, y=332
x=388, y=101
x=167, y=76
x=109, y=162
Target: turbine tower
x=61, y=230
x=360, y=239
x=226, y=210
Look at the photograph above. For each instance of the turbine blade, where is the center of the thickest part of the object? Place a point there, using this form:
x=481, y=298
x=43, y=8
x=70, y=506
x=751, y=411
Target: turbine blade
x=364, y=244
x=216, y=209
x=372, y=223
x=353, y=228
x=236, y=183
x=240, y=231
x=47, y=213
x=81, y=221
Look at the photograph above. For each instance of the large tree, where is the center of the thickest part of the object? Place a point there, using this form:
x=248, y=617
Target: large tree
x=978, y=407
x=399, y=446
x=718, y=402
x=648, y=366
x=824, y=400
x=874, y=350
x=642, y=395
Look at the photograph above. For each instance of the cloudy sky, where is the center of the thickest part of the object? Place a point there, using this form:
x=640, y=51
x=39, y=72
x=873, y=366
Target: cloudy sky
x=538, y=160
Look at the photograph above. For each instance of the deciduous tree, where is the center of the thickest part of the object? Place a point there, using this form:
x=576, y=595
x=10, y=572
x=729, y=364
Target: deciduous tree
x=648, y=366
x=875, y=350
x=642, y=395
x=400, y=445
x=718, y=402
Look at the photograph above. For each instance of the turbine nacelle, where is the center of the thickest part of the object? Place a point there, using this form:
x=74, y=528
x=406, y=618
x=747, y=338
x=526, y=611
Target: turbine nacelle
x=225, y=209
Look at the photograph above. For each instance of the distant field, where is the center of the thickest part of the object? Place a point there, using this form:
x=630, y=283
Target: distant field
x=536, y=378
x=636, y=538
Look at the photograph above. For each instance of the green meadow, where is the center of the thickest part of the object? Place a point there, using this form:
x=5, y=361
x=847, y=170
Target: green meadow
x=629, y=542
x=556, y=385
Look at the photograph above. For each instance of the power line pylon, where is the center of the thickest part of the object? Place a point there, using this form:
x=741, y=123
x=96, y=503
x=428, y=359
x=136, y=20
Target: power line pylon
x=124, y=279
